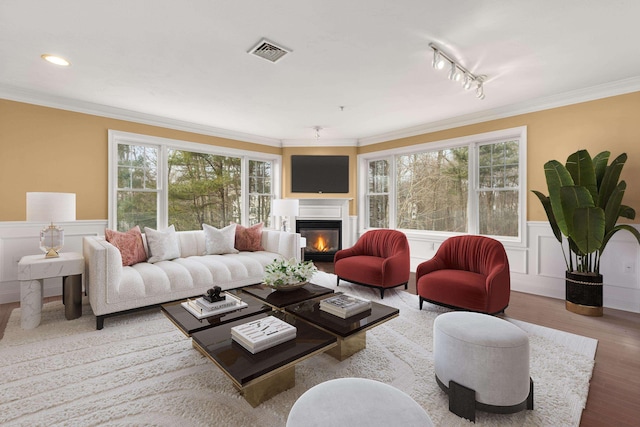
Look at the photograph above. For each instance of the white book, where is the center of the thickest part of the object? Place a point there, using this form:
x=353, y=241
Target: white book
x=263, y=333
x=344, y=305
x=200, y=313
x=229, y=301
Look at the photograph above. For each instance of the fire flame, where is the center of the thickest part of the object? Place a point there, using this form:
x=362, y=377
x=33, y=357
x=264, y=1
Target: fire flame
x=321, y=245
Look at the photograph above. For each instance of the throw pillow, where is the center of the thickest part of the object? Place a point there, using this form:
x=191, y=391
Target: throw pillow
x=249, y=238
x=163, y=245
x=219, y=241
x=129, y=244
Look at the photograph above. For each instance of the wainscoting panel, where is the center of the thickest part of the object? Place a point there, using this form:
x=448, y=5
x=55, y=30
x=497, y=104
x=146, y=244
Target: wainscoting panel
x=18, y=239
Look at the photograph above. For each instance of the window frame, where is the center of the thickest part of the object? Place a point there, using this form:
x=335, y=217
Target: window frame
x=163, y=145
x=473, y=142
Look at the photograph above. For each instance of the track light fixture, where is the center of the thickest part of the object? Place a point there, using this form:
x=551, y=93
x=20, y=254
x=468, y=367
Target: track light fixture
x=457, y=72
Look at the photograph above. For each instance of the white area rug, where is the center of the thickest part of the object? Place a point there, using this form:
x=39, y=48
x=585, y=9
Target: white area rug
x=139, y=370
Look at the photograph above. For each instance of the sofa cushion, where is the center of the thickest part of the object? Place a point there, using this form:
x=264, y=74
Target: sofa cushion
x=163, y=245
x=249, y=238
x=219, y=241
x=129, y=244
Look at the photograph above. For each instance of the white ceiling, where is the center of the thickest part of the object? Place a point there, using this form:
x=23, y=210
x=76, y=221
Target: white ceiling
x=187, y=61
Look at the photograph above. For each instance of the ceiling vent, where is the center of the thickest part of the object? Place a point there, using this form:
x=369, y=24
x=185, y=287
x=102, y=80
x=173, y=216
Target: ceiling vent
x=269, y=51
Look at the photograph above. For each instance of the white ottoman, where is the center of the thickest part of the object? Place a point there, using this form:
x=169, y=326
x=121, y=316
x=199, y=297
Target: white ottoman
x=482, y=362
x=354, y=402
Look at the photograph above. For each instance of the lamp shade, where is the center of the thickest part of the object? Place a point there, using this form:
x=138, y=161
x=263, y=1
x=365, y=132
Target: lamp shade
x=285, y=207
x=51, y=207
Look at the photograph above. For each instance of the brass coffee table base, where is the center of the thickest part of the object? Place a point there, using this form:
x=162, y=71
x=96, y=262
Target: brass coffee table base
x=348, y=346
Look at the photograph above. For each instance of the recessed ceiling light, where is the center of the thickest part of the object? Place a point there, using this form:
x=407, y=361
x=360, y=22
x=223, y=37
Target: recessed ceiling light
x=58, y=60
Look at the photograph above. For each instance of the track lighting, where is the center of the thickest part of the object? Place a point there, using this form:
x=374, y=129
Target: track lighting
x=457, y=72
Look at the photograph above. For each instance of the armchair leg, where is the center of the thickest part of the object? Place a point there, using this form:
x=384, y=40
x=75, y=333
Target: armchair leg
x=381, y=293
x=337, y=280
x=421, y=301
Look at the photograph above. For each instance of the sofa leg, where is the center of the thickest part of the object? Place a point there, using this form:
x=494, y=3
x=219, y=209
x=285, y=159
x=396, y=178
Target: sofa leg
x=381, y=293
x=421, y=301
x=99, y=322
x=337, y=280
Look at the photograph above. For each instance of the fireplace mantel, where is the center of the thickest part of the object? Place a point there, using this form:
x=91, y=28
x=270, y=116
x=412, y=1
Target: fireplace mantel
x=328, y=209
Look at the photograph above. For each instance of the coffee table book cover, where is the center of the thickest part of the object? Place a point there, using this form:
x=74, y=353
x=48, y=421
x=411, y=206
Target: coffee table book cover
x=198, y=307
x=263, y=333
x=344, y=305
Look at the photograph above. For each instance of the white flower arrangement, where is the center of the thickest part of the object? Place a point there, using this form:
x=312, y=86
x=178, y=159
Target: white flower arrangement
x=288, y=272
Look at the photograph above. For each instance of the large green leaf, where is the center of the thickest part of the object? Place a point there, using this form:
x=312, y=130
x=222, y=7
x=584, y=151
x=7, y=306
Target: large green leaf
x=572, y=198
x=615, y=229
x=546, y=204
x=588, y=229
x=580, y=166
x=612, y=210
x=600, y=165
x=610, y=180
x=627, y=212
x=557, y=176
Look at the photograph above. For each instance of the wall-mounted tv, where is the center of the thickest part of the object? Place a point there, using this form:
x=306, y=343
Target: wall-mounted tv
x=319, y=174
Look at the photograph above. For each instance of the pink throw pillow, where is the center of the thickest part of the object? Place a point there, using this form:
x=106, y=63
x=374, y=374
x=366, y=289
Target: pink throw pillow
x=249, y=238
x=129, y=244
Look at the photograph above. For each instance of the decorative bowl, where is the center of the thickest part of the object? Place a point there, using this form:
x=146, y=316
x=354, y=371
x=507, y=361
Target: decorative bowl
x=287, y=287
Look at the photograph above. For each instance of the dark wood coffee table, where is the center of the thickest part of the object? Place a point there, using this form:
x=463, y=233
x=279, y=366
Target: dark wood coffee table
x=188, y=323
x=261, y=376
x=351, y=332
x=281, y=299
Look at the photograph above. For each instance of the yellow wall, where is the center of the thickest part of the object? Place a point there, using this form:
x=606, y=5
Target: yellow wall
x=46, y=149
x=611, y=124
x=287, y=152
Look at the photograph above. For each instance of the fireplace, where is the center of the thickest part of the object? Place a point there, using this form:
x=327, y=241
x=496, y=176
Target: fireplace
x=324, y=238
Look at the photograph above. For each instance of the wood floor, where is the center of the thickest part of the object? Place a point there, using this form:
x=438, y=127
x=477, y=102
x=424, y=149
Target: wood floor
x=614, y=393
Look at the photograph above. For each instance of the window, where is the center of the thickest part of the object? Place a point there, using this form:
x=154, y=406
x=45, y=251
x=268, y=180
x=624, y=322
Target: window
x=137, y=186
x=378, y=194
x=203, y=188
x=468, y=185
x=260, y=192
x=160, y=182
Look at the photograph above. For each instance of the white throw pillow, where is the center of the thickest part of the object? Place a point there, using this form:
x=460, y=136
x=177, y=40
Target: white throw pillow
x=219, y=241
x=163, y=245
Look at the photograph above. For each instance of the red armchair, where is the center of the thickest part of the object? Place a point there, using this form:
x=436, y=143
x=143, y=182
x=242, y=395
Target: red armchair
x=467, y=272
x=379, y=259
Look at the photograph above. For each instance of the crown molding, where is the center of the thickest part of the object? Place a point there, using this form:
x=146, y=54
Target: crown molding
x=321, y=142
x=32, y=97
x=606, y=90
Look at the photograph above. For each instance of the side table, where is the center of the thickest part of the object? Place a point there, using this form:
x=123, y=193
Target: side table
x=32, y=269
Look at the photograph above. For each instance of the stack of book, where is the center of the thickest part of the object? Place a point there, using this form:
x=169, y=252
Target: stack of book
x=263, y=333
x=201, y=308
x=344, y=305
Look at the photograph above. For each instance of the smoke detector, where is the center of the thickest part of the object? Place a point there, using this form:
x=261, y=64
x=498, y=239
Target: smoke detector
x=269, y=51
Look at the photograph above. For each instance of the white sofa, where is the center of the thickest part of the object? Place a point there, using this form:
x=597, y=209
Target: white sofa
x=114, y=289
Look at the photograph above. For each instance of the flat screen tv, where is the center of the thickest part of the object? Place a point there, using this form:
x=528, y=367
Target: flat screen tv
x=319, y=174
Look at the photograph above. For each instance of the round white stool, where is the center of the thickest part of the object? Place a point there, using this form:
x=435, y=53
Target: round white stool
x=482, y=362
x=355, y=402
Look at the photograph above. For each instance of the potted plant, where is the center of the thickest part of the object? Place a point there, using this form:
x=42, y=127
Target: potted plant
x=288, y=275
x=584, y=204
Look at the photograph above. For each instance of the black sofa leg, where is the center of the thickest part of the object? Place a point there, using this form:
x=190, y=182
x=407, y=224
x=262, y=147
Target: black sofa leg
x=99, y=322
x=381, y=293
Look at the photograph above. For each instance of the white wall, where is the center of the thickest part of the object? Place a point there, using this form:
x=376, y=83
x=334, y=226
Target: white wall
x=537, y=268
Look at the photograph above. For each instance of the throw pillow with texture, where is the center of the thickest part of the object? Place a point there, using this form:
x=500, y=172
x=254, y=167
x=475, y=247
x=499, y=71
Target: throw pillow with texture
x=249, y=238
x=219, y=241
x=129, y=244
x=163, y=245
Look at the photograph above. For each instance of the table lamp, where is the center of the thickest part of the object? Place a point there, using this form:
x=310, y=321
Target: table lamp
x=285, y=208
x=51, y=207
